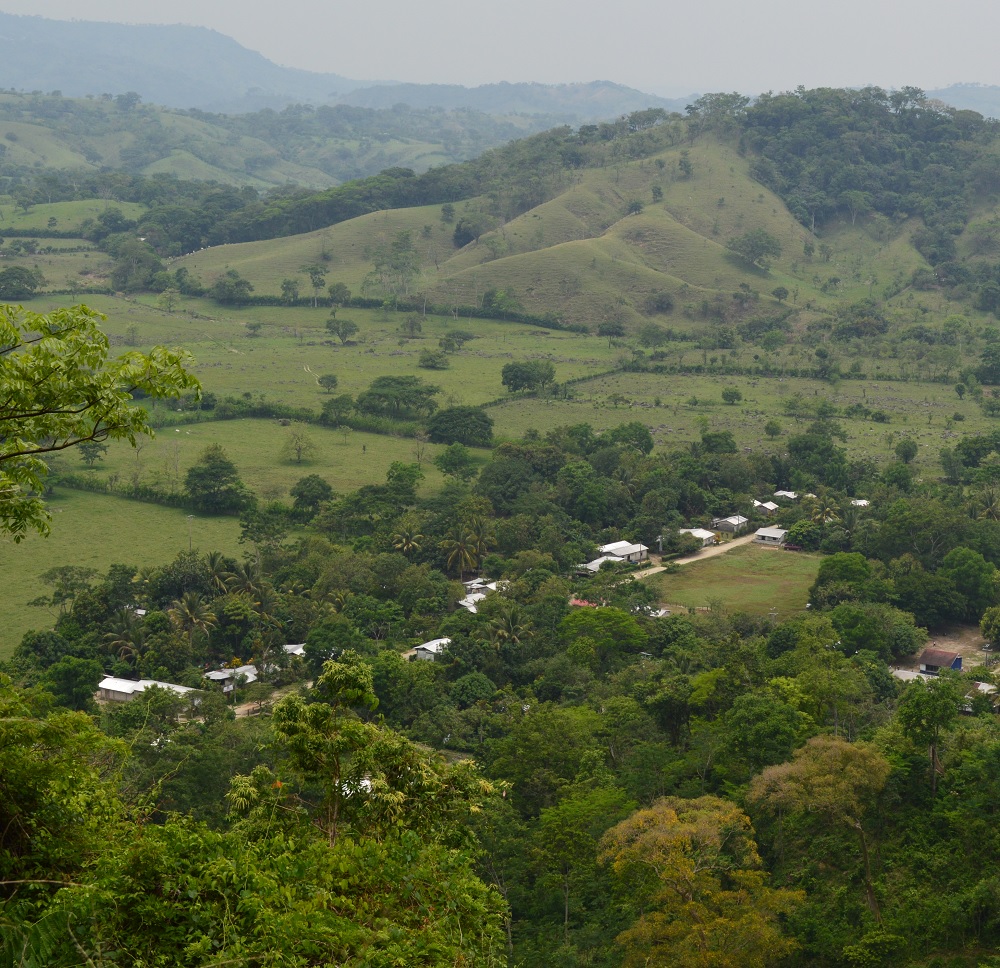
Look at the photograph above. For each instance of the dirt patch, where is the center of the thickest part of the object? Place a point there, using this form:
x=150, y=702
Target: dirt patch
x=966, y=640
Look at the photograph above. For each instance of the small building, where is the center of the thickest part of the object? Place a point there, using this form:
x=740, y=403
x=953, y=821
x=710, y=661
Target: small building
x=771, y=536
x=932, y=661
x=860, y=502
x=471, y=601
x=625, y=550
x=113, y=689
x=298, y=649
x=734, y=524
x=789, y=495
x=705, y=537
x=230, y=678
x=429, y=651
x=765, y=507
x=595, y=565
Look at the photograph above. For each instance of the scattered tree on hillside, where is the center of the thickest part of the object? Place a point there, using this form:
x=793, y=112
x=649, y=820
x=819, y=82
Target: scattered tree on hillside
x=343, y=329
x=757, y=247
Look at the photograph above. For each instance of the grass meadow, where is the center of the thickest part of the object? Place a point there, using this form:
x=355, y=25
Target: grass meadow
x=747, y=579
x=95, y=531
x=344, y=459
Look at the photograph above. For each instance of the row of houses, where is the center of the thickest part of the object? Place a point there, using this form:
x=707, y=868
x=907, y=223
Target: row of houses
x=114, y=689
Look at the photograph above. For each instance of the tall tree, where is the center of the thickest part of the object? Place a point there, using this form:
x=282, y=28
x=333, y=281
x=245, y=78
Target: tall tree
x=60, y=390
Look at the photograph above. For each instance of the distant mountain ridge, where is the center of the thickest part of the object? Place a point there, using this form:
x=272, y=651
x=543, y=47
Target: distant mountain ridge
x=194, y=67
x=984, y=98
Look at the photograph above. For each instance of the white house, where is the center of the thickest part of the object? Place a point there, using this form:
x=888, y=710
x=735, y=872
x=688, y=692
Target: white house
x=625, y=550
x=470, y=602
x=765, y=507
x=229, y=677
x=734, y=524
x=772, y=536
x=705, y=537
x=595, y=565
x=791, y=495
x=429, y=651
x=296, y=649
x=860, y=502
x=113, y=689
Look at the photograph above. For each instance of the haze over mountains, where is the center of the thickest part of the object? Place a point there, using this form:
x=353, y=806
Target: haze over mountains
x=194, y=67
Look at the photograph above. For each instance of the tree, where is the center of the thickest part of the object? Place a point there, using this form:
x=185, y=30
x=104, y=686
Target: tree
x=612, y=329
x=906, y=449
x=230, y=289
x=757, y=247
x=343, y=329
x=60, y=390
x=339, y=294
x=831, y=779
x=17, y=283
x=91, y=452
x=328, y=382
x=169, y=298
x=289, y=291
x=398, y=396
x=298, y=446
x=780, y=293
x=772, y=428
x=336, y=409
x=456, y=461
x=731, y=395
x=309, y=492
x=472, y=426
x=692, y=870
x=213, y=484
x=411, y=325
x=317, y=279
x=567, y=838
x=529, y=375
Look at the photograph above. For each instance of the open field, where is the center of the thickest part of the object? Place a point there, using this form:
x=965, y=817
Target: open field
x=344, y=460
x=748, y=579
x=294, y=348
x=94, y=531
x=676, y=407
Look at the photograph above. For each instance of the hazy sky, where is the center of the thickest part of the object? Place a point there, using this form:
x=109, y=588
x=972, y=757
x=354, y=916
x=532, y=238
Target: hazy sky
x=659, y=46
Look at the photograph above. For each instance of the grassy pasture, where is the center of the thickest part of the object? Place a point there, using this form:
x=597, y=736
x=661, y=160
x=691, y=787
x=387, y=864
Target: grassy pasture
x=344, y=461
x=68, y=215
x=294, y=348
x=747, y=579
x=96, y=531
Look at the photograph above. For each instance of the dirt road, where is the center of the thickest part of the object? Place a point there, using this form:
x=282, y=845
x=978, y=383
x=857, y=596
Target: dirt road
x=719, y=549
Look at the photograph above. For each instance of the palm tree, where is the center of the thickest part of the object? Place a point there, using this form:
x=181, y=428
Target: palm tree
x=511, y=626
x=191, y=613
x=126, y=636
x=246, y=577
x=407, y=540
x=460, y=548
x=480, y=533
x=218, y=570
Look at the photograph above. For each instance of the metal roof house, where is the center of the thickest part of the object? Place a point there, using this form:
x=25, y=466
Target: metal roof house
x=429, y=651
x=625, y=550
x=113, y=689
x=229, y=677
x=771, y=536
x=705, y=537
x=734, y=524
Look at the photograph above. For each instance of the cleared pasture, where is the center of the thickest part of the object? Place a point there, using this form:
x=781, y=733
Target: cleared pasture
x=344, y=459
x=750, y=579
x=96, y=531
